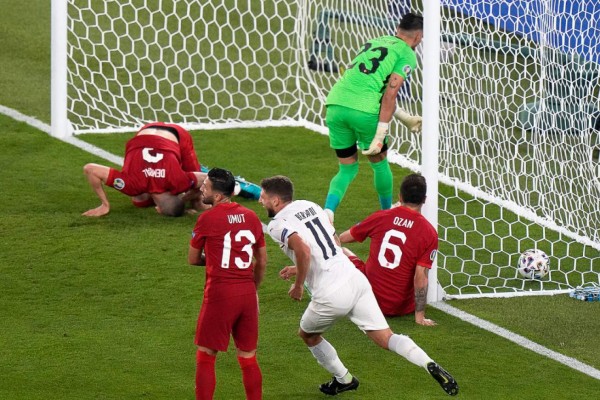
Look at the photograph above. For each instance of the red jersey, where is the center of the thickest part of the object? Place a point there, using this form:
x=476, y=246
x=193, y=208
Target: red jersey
x=152, y=165
x=229, y=234
x=401, y=238
x=189, y=160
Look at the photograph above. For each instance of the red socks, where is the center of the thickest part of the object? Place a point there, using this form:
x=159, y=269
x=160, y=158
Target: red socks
x=206, y=379
x=252, y=377
x=205, y=376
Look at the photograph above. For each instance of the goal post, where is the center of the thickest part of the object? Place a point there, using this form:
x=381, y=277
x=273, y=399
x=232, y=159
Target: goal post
x=58, y=70
x=508, y=91
x=431, y=126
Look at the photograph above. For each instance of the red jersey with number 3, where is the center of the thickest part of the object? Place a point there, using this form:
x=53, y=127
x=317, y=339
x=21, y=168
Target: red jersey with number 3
x=230, y=234
x=152, y=165
x=401, y=238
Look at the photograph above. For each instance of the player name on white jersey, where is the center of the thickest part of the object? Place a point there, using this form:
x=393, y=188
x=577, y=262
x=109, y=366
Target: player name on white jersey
x=405, y=223
x=236, y=218
x=305, y=214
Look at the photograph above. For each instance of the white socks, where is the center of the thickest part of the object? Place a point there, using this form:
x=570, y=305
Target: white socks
x=407, y=348
x=327, y=357
x=402, y=345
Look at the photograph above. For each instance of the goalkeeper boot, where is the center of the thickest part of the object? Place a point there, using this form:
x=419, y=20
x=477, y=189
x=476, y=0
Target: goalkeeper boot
x=334, y=387
x=445, y=380
x=248, y=190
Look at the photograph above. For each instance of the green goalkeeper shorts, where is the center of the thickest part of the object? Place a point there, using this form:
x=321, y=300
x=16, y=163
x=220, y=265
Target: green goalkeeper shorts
x=348, y=127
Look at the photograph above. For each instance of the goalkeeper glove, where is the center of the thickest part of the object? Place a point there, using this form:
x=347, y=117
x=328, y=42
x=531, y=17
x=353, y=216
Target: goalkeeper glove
x=377, y=142
x=413, y=122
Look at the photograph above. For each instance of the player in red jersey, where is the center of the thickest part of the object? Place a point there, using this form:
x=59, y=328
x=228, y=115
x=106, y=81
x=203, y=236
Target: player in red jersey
x=153, y=172
x=227, y=238
x=403, y=247
x=189, y=160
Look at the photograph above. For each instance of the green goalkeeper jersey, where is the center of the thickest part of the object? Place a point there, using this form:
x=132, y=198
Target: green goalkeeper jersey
x=363, y=84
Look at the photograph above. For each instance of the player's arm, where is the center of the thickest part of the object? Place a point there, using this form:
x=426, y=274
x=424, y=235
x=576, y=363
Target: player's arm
x=260, y=264
x=386, y=111
x=200, y=177
x=421, y=282
x=302, y=253
x=388, y=101
x=97, y=175
x=346, y=237
x=193, y=195
x=196, y=256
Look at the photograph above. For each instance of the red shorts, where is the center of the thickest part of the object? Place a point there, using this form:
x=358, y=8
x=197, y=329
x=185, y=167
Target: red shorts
x=235, y=316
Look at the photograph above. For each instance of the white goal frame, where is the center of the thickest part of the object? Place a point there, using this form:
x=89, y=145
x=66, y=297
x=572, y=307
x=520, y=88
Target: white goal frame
x=419, y=154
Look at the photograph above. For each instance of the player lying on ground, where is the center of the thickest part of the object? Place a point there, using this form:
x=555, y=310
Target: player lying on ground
x=153, y=171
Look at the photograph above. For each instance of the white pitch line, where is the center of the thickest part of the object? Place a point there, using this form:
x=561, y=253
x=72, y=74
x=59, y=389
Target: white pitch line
x=90, y=148
x=518, y=339
x=483, y=324
x=14, y=114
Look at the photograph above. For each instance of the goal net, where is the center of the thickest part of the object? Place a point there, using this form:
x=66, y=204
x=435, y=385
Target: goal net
x=519, y=118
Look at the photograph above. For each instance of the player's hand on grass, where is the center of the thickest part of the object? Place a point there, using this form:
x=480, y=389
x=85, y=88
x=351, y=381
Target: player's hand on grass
x=425, y=322
x=97, y=212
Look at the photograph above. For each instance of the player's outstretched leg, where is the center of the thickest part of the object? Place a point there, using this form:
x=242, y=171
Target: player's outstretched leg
x=334, y=386
x=445, y=380
x=407, y=348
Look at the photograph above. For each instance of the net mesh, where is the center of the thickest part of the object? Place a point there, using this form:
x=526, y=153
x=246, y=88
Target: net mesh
x=519, y=98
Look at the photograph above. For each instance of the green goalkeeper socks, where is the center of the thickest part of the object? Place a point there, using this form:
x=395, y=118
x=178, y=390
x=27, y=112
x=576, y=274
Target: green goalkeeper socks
x=384, y=182
x=339, y=184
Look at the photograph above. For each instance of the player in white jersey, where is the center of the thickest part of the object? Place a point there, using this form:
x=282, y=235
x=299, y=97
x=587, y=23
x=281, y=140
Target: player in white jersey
x=303, y=231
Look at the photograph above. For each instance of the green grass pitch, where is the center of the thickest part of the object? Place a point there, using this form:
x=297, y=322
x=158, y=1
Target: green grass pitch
x=106, y=308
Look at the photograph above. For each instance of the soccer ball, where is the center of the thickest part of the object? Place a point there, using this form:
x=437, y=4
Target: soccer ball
x=534, y=264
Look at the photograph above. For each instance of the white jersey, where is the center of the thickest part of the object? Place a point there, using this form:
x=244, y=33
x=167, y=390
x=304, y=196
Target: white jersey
x=329, y=267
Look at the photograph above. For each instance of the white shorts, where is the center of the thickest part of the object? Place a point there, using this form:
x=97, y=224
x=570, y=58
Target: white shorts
x=355, y=299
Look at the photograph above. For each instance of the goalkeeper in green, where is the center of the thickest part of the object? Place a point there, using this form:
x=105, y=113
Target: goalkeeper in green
x=361, y=105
